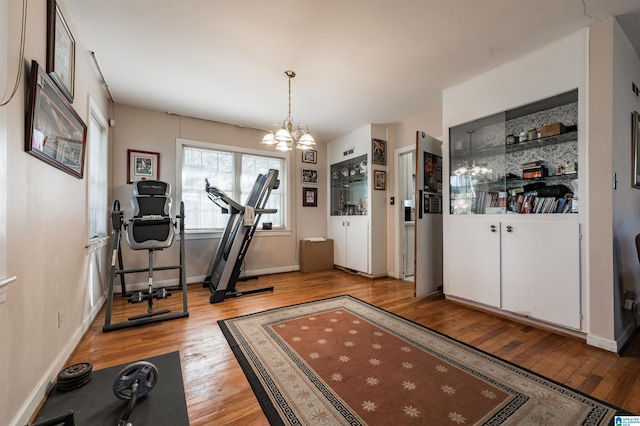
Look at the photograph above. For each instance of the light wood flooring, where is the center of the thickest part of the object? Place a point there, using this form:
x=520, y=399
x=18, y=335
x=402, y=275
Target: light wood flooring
x=217, y=391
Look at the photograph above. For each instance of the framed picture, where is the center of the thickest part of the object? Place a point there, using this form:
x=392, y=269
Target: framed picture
x=635, y=155
x=61, y=50
x=310, y=156
x=379, y=179
x=379, y=149
x=310, y=176
x=310, y=197
x=143, y=165
x=55, y=132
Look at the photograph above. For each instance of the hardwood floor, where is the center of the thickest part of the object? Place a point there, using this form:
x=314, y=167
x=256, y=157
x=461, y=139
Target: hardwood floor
x=217, y=391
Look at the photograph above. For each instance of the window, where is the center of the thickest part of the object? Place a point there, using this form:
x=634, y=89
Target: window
x=234, y=173
x=97, y=176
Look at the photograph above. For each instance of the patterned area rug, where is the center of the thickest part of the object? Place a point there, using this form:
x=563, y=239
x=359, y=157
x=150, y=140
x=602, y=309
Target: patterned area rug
x=341, y=361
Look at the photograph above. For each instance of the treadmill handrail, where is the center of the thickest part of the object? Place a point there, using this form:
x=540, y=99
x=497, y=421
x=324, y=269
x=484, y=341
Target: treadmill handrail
x=215, y=194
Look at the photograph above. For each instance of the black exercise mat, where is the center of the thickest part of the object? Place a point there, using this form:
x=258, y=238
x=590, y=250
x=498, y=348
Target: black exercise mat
x=95, y=403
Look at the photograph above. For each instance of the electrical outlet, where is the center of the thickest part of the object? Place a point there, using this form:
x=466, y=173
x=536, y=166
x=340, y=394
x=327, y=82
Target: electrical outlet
x=60, y=315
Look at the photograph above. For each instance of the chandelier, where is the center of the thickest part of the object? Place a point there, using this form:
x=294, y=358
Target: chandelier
x=472, y=169
x=283, y=136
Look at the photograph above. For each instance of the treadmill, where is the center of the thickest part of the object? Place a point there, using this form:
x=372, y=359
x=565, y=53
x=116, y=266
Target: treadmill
x=234, y=242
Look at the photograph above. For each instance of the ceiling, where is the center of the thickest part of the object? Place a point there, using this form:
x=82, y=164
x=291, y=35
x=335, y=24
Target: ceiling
x=357, y=61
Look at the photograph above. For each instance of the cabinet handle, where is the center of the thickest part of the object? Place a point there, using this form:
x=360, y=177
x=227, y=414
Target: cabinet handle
x=343, y=222
x=509, y=228
x=493, y=228
x=348, y=224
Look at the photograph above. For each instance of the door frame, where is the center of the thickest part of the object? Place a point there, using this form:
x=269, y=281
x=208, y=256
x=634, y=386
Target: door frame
x=399, y=210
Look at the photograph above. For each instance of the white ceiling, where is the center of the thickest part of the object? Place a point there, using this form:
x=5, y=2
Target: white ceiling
x=357, y=61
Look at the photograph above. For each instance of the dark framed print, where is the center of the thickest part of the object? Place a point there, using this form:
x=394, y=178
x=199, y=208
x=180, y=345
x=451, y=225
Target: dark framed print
x=310, y=197
x=310, y=156
x=310, y=176
x=635, y=143
x=379, y=179
x=379, y=149
x=142, y=165
x=61, y=50
x=55, y=132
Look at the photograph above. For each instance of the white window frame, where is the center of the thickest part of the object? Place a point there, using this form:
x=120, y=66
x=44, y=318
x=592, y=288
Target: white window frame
x=96, y=114
x=288, y=198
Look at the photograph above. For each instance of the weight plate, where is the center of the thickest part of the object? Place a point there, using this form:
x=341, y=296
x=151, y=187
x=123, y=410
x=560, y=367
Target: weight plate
x=66, y=387
x=144, y=372
x=74, y=371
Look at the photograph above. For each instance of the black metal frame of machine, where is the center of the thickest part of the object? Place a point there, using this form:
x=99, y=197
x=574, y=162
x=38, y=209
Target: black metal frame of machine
x=234, y=242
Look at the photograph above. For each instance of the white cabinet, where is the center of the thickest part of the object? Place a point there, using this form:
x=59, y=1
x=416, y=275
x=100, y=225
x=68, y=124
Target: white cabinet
x=541, y=271
x=473, y=268
x=351, y=243
x=527, y=268
x=357, y=212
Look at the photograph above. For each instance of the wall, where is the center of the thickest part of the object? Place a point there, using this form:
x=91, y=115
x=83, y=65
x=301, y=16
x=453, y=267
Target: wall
x=626, y=199
x=47, y=234
x=403, y=135
x=157, y=131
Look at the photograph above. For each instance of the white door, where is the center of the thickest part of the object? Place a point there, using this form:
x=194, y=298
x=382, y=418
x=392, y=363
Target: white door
x=473, y=261
x=428, y=225
x=338, y=232
x=547, y=288
x=358, y=244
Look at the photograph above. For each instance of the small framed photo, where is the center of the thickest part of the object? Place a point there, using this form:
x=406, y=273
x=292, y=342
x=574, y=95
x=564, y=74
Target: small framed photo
x=379, y=179
x=310, y=176
x=310, y=197
x=379, y=149
x=635, y=145
x=143, y=165
x=61, y=50
x=310, y=156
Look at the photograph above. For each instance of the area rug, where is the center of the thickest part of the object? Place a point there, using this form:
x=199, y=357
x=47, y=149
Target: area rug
x=341, y=361
x=96, y=404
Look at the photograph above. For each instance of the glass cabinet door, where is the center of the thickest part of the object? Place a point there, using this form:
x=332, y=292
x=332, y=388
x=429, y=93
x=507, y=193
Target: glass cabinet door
x=524, y=160
x=349, y=187
x=477, y=178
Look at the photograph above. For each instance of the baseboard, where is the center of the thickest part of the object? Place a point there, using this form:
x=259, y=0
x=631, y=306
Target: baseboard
x=174, y=282
x=602, y=343
x=41, y=390
x=612, y=345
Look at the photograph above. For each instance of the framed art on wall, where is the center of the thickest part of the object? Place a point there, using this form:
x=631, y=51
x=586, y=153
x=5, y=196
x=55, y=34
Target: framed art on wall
x=310, y=176
x=635, y=144
x=310, y=197
x=310, y=156
x=379, y=149
x=142, y=165
x=55, y=132
x=379, y=179
x=61, y=50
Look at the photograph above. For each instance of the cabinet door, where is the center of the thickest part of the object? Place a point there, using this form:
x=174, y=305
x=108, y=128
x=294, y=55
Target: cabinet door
x=358, y=245
x=338, y=232
x=541, y=271
x=473, y=261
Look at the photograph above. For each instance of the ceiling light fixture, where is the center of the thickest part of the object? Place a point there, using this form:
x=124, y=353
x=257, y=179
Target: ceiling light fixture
x=283, y=136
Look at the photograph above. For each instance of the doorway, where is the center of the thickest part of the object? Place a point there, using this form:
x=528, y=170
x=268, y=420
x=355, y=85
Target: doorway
x=406, y=166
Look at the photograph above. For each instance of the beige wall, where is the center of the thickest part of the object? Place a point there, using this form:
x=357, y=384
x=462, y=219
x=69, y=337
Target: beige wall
x=626, y=199
x=157, y=131
x=46, y=235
